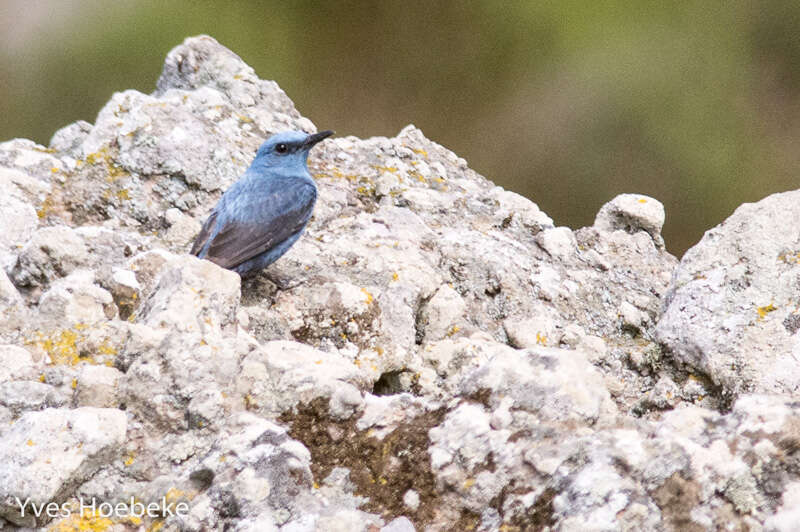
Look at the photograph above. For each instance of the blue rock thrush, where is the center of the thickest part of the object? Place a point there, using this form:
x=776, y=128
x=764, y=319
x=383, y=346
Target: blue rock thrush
x=261, y=215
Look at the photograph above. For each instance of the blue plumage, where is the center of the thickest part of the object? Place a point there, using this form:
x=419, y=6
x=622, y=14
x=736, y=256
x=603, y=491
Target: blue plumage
x=261, y=215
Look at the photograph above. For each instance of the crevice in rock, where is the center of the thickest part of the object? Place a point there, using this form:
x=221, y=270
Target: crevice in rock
x=389, y=383
x=419, y=318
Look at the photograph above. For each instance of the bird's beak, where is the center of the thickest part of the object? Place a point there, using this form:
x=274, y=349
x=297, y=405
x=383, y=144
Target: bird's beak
x=316, y=137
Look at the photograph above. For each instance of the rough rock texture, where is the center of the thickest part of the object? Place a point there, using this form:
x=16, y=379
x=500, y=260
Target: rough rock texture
x=47, y=454
x=433, y=354
x=734, y=306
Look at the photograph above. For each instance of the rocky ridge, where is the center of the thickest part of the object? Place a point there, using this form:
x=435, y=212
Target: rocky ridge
x=433, y=354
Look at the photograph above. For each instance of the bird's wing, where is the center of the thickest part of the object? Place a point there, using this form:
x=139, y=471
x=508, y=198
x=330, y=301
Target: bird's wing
x=272, y=217
x=205, y=233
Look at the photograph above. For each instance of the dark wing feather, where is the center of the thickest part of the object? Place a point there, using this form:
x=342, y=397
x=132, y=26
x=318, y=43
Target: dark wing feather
x=205, y=232
x=272, y=219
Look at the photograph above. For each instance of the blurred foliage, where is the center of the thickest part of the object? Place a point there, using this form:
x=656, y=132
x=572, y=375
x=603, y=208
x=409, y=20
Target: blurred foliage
x=568, y=103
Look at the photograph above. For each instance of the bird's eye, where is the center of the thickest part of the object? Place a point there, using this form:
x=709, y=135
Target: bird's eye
x=281, y=148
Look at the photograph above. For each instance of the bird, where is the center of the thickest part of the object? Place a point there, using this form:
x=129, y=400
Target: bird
x=266, y=210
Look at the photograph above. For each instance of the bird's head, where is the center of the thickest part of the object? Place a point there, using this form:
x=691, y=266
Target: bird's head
x=288, y=149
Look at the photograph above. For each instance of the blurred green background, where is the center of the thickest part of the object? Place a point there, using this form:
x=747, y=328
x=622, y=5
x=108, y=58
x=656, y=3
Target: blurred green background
x=568, y=103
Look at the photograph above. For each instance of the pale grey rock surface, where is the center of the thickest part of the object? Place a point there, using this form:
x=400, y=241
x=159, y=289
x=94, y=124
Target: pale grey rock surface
x=46, y=454
x=733, y=311
x=433, y=354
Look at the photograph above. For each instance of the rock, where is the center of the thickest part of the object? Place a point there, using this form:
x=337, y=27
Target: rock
x=788, y=513
x=18, y=220
x=411, y=500
x=558, y=242
x=68, y=139
x=631, y=213
x=282, y=374
x=553, y=384
x=433, y=353
x=730, y=311
x=184, y=324
x=18, y=396
x=75, y=299
x=9, y=296
x=182, y=229
x=44, y=455
x=51, y=253
x=439, y=317
x=531, y=332
x=98, y=386
x=17, y=363
x=125, y=290
x=147, y=266
x=192, y=295
x=401, y=524
x=26, y=158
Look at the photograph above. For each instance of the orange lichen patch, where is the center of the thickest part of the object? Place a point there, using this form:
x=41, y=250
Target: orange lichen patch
x=106, y=348
x=129, y=459
x=395, y=277
x=418, y=151
x=369, y=296
x=642, y=200
x=88, y=521
x=541, y=339
x=113, y=172
x=136, y=521
x=46, y=207
x=792, y=257
x=390, y=169
x=454, y=329
x=94, y=158
x=419, y=177
x=174, y=495
x=249, y=402
x=64, y=346
x=335, y=173
x=30, y=443
x=763, y=311
x=61, y=347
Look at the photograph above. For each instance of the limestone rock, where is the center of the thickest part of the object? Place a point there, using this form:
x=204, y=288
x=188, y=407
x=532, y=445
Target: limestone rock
x=75, y=299
x=731, y=311
x=632, y=213
x=433, y=353
x=44, y=455
x=51, y=253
